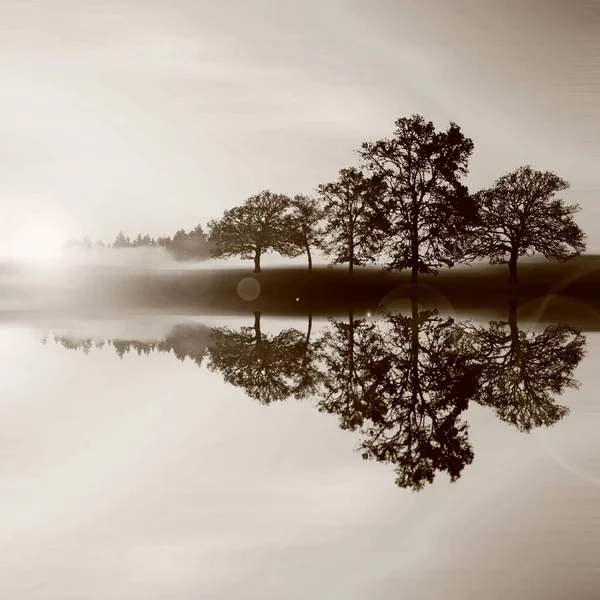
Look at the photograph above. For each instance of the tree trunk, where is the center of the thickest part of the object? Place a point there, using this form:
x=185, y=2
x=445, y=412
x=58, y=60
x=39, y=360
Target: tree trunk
x=309, y=258
x=414, y=345
x=257, y=260
x=414, y=276
x=257, y=331
x=351, y=342
x=512, y=268
x=307, y=345
x=514, y=328
x=351, y=266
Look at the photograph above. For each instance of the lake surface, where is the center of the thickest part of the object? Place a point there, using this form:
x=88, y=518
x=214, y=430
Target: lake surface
x=217, y=457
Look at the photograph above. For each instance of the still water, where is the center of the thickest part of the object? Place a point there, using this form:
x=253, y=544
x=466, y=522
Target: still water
x=404, y=454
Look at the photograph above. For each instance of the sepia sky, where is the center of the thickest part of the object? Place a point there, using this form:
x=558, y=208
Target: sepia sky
x=151, y=115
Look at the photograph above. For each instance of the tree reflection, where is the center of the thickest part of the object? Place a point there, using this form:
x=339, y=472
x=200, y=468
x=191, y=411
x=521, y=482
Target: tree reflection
x=522, y=370
x=403, y=385
x=183, y=341
x=267, y=367
x=402, y=382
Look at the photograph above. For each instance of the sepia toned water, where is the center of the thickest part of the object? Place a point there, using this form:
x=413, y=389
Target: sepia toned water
x=153, y=457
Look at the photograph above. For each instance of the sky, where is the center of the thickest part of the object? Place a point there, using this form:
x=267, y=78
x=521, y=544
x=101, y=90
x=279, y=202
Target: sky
x=151, y=116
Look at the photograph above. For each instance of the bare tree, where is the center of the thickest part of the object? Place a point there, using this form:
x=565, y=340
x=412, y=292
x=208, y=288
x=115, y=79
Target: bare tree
x=520, y=215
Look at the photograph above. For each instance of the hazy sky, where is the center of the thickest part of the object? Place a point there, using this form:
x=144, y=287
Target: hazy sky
x=153, y=115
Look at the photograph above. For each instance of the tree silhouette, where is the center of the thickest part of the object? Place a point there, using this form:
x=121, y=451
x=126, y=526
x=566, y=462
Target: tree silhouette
x=348, y=208
x=307, y=214
x=520, y=215
x=121, y=241
x=356, y=364
x=259, y=225
x=182, y=340
x=139, y=241
x=522, y=371
x=309, y=377
x=424, y=210
x=404, y=388
x=265, y=366
x=189, y=246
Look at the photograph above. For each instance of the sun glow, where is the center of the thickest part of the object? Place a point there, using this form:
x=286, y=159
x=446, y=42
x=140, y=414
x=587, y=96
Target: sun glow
x=38, y=242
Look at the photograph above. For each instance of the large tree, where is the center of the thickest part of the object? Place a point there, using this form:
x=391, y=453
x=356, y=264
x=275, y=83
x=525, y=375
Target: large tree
x=307, y=216
x=348, y=208
x=425, y=208
x=520, y=215
x=261, y=224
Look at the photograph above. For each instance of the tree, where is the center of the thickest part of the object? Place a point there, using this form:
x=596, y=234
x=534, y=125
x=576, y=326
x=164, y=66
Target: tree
x=356, y=364
x=163, y=242
x=424, y=210
x=139, y=241
x=520, y=215
x=121, y=241
x=306, y=217
x=259, y=225
x=522, y=371
x=182, y=340
x=348, y=208
x=265, y=366
x=403, y=385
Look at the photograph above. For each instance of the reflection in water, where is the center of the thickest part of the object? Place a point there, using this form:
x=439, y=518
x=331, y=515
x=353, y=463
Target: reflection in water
x=403, y=385
x=522, y=371
x=402, y=382
x=267, y=367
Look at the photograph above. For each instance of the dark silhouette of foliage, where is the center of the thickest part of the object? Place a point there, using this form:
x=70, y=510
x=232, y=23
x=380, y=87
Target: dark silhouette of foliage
x=265, y=366
x=425, y=209
x=306, y=217
x=402, y=383
x=520, y=215
x=522, y=371
x=356, y=365
x=260, y=225
x=404, y=388
x=183, y=341
x=347, y=202
x=192, y=245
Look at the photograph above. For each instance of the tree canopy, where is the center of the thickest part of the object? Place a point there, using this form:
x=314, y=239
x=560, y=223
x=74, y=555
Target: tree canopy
x=520, y=215
x=306, y=217
x=522, y=371
x=259, y=225
x=424, y=210
x=347, y=205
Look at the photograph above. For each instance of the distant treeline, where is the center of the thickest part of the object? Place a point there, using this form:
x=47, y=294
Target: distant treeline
x=192, y=245
x=404, y=207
